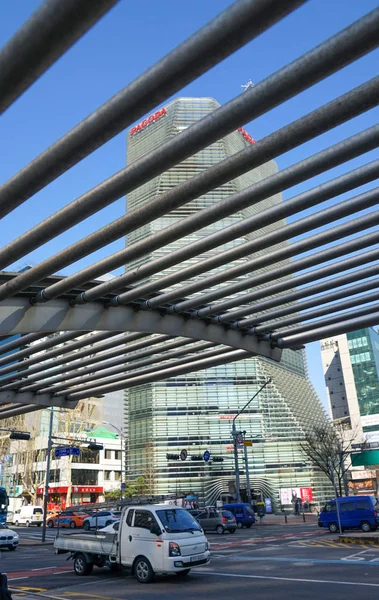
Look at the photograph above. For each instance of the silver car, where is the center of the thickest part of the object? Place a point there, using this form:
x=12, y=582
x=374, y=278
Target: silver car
x=218, y=521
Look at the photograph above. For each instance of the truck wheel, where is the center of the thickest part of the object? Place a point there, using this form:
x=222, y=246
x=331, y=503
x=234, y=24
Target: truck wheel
x=72, y=524
x=27, y=523
x=333, y=528
x=143, y=570
x=183, y=573
x=365, y=526
x=82, y=566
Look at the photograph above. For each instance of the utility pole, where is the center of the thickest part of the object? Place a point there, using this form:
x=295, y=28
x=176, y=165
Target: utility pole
x=47, y=481
x=248, y=488
x=236, y=438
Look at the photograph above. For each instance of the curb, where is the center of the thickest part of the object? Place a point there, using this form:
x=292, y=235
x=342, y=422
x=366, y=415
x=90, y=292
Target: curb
x=372, y=541
x=26, y=543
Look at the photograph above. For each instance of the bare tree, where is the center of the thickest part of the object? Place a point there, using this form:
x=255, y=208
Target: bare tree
x=328, y=447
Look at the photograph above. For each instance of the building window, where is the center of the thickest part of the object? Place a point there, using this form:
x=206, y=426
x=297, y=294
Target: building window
x=84, y=477
x=108, y=454
x=118, y=454
x=107, y=475
x=87, y=456
x=117, y=475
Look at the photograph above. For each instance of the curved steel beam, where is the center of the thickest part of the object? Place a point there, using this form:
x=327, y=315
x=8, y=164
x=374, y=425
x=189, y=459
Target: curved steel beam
x=18, y=316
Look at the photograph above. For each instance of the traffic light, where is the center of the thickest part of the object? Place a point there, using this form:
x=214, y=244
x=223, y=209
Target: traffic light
x=19, y=435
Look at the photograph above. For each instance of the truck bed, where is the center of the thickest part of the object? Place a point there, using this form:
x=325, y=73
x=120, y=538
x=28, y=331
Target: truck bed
x=94, y=543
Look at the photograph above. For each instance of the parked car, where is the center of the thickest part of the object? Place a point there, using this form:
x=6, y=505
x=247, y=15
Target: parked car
x=10, y=517
x=8, y=538
x=218, y=521
x=69, y=518
x=356, y=512
x=112, y=528
x=28, y=515
x=101, y=519
x=243, y=513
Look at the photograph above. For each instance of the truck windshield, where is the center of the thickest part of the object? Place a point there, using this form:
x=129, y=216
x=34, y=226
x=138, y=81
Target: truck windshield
x=175, y=520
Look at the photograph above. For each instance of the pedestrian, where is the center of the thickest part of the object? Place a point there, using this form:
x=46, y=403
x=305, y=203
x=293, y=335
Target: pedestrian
x=4, y=592
x=297, y=507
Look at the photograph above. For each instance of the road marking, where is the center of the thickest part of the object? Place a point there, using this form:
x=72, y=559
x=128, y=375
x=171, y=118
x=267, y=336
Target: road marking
x=44, y=568
x=266, y=577
x=294, y=560
x=16, y=578
x=63, y=572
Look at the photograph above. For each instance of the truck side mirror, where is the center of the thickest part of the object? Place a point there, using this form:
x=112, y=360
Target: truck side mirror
x=155, y=529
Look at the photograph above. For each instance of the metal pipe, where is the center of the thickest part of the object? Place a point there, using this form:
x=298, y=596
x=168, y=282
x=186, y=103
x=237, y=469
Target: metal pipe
x=58, y=351
x=324, y=237
x=82, y=385
x=24, y=339
x=260, y=220
x=218, y=39
x=263, y=189
x=112, y=365
x=356, y=312
x=330, y=330
x=199, y=365
x=47, y=480
x=51, y=30
x=16, y=356
x=314, y=289
x=320, y=120
x=330, y=56
x=298, y=306
x=314, y=314
x=30, y=373
x=295, y=282
x=19, y=409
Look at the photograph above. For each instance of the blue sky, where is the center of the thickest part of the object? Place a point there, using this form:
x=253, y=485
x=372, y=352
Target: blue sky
x=121, y=46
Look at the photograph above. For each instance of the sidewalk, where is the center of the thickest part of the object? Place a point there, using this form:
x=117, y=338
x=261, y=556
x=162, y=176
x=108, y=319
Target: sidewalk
x=371, y=538
x=280, y=519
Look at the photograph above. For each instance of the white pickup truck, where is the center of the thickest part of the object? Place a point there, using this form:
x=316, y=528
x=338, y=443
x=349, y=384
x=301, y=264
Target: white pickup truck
x=151, y=539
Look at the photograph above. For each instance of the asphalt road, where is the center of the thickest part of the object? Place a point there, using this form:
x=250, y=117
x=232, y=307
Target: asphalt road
x=290, y=562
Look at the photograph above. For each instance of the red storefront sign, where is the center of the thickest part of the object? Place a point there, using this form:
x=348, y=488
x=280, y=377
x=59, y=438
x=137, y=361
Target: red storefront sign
x=246, y=135
x=157, y=115
x=76, y=489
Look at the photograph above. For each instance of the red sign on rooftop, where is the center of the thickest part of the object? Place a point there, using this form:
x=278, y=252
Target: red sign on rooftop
x=157, y=115
x=246, y=135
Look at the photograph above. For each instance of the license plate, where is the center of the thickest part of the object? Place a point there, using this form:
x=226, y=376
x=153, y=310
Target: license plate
x=38, y=518
x=197, y=557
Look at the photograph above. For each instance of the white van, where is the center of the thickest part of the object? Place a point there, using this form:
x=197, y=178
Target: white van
x=28, y=515
x=151, y=539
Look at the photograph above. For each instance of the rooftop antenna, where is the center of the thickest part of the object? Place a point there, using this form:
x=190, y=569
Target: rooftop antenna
x=247, y=85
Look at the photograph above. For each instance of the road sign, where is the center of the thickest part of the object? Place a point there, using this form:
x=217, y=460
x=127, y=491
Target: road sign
x=123, y=486
x=206, y=456
x=66, y=451
x=183, y=455
x=247, y=443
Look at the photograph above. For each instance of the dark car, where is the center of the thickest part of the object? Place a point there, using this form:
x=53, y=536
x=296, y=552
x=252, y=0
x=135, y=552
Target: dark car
x=218, y=521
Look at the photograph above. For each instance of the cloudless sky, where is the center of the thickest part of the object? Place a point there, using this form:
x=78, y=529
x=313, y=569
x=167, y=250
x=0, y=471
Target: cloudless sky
x=130, y=38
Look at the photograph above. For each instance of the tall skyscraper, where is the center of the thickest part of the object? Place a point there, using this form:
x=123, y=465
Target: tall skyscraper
x=351, y=368
x=194, y=411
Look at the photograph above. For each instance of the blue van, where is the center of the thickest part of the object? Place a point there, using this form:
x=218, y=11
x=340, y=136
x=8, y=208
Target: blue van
x=355, y=512
x=243, y=513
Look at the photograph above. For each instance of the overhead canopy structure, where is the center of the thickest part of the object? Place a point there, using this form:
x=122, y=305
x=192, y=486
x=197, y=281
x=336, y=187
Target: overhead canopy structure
x=83, y=336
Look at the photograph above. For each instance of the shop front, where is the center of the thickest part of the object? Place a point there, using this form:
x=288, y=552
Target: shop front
x=80, y=494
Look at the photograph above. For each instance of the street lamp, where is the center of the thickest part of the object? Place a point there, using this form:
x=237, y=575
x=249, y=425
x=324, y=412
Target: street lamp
x=122, y=440
x=238, y=436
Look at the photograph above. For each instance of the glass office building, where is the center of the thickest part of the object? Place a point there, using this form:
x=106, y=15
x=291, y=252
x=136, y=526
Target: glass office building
x=351, y=367
x=194, y=411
